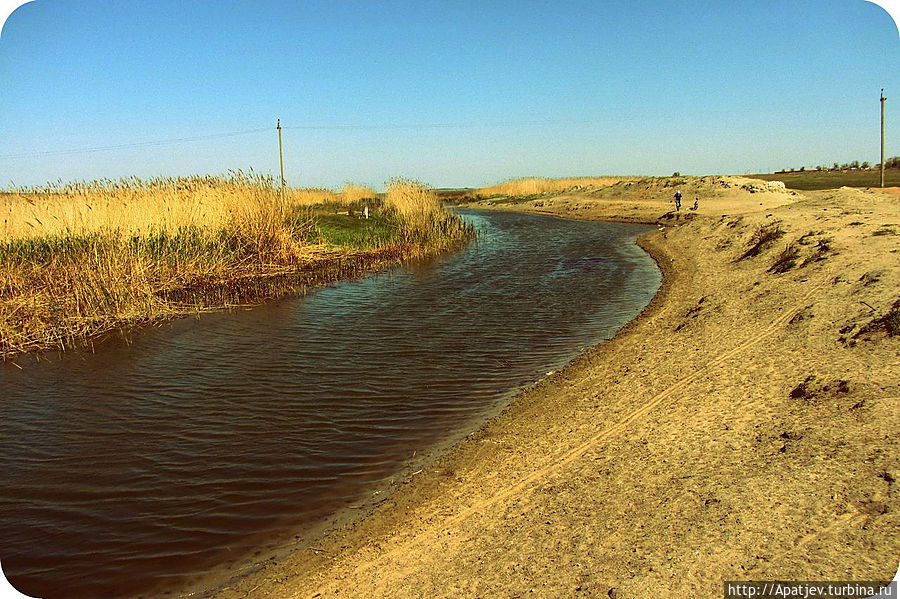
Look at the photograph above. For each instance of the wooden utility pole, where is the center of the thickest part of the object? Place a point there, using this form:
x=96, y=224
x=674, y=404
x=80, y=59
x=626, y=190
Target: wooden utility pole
x=281, y=159
x=882, y=136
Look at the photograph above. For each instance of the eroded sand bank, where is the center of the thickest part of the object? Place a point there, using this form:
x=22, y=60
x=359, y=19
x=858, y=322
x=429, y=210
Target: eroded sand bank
x=743, y=428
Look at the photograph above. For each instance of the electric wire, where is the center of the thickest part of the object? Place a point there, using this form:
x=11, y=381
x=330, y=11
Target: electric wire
x=340, y=127
x=140, y=144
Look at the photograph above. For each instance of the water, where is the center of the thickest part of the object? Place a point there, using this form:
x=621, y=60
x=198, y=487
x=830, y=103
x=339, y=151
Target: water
x=146, y=463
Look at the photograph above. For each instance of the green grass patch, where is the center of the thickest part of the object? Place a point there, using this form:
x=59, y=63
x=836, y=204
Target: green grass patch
x=189, y=243
x=342, y=230
x=43, y=250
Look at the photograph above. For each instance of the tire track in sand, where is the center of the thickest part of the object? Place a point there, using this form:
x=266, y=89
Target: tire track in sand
x=842, y=521
x=573, y=454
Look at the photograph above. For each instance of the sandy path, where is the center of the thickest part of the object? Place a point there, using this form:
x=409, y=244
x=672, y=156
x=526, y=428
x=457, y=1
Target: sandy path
x=744, y=428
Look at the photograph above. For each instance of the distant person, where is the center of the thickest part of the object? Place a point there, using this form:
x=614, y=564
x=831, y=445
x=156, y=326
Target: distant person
x=696, y=203
x=678, y=200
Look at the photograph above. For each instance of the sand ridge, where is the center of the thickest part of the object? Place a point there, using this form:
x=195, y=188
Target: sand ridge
x=743, y=428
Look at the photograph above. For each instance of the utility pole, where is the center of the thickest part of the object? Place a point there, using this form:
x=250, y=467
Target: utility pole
x=882, y=136
x=281, y=159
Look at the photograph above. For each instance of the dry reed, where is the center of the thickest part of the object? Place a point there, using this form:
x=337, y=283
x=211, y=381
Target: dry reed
x=411, y=198
x=349, y=194
x=539, y=185
x=133, y=206
x=352, y=193
x=79, y=260
x=427, y=223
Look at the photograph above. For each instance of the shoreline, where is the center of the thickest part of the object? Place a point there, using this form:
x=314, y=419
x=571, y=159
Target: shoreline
x=322, y=537
x=218, y=583
x=726, y=433
x=243, y=290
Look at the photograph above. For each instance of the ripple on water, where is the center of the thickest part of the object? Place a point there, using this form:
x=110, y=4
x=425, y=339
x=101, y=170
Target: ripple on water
x=150, y=462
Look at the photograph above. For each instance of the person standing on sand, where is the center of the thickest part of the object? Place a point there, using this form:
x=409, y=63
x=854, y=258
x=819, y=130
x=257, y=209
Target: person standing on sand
x=678, y=200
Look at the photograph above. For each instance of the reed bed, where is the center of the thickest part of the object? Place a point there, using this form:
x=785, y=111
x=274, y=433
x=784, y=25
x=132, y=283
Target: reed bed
x=313, y=195
x=426, y=222
x=352, y=193
x=141, y=207
x=82, y=259
x=349, y=194
x=538, y=185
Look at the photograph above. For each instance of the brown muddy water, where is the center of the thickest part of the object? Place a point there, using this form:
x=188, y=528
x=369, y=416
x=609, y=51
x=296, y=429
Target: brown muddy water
x=136, y=468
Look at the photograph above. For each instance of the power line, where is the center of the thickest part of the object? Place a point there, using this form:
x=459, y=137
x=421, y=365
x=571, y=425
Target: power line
x=341, y=127
x=460, y=125
x=141, y=144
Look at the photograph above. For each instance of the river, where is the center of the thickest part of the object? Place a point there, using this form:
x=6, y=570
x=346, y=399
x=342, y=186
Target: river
x=144, y=464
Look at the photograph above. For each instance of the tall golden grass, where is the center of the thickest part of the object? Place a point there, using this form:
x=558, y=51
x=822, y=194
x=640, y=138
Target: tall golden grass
x=426, y=221
x=83, y=258
x=78, y=260
x=349, y=194
x=538, y=185
x=163, y=204
x=411, y=198
x=352, y=193
x=312, y=195
x=133, y=206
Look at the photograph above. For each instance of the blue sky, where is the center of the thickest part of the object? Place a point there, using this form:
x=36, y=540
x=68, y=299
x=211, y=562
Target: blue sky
x=452, y=93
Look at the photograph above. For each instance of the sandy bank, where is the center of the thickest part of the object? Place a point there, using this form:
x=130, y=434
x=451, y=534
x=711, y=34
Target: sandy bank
x=743, y=428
